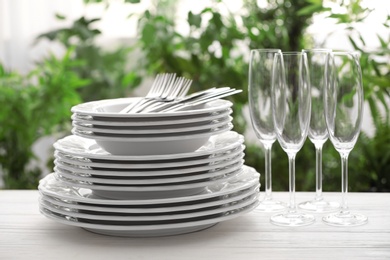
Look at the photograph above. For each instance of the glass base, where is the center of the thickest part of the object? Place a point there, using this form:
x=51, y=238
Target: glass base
x=319, y=206
x=345, y=218
x=270, y=205
x=292, y=219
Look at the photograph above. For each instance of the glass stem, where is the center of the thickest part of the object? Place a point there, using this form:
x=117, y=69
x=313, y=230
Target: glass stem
x=268, y=172
x=291, y=174
x=344, y=181
x=318, y=172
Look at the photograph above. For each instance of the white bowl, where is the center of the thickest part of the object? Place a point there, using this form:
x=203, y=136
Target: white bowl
x=108, y=109
x=151, y=129
x=156, y=121
x=153, y=145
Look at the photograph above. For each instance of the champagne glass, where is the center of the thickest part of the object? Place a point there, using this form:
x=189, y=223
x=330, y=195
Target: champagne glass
x=291, y=104
x=343, y=114
x=260, y=75
x=318, y=133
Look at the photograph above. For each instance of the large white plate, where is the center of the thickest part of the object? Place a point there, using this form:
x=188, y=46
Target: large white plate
x=156, y=122
x=83, y=147
x=111, y=107
x=122, y=192
x=197, y=169
x=144, y=218
x=156, y=208
x=147, y=179
x=108, y=164
x=195, y=224
x=207, y=125
x=52, y=187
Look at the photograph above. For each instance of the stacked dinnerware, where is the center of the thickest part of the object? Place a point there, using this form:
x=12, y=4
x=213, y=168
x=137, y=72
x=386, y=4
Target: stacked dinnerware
x=149, y=133
x=149, y=174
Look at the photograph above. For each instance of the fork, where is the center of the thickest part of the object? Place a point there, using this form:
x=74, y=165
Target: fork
x=174, y=93
x=196, y=99
x=157, y=89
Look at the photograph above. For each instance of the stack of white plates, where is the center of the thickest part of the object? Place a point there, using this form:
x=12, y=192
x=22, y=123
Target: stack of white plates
x=149, y=133
x=82, y=163
x=149, y=174
x=153, y=217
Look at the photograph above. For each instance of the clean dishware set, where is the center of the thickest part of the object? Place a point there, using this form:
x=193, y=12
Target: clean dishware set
x=169, y=163
x=127, y=171
x=314, y=93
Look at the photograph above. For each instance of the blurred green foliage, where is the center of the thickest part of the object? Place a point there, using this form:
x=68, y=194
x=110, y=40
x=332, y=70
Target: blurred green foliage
x=35, y=105
x=108, y=70
x=214, y=53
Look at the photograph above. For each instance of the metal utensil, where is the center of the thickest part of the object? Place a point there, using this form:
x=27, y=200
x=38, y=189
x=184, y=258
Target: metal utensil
x=195, y=99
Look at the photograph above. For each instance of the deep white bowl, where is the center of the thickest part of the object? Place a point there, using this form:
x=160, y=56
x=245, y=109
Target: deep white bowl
x=108, y=109
x=153, y=145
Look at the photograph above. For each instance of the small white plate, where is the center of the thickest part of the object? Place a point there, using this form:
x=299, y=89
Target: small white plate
x=156, y=122
x=50, y=186
x=148, y=187
x=175, y=228
x=109, y=164
x=83, y=147
x=109, y=108
x=86, y=170
x=208, y=125
x=146, y=179
x=156, y=208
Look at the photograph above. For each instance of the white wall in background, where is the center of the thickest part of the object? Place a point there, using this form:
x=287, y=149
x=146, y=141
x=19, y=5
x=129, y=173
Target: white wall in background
x=22, y=20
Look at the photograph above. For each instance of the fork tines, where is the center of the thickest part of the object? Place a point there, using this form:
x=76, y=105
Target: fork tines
x=166, y=88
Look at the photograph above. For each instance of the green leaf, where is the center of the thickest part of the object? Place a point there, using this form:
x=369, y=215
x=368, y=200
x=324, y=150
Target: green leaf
x=216, y=20
x=342, y=18
x=352, y=41
x=311, y=9
x=60, y=16
x=194, y=19
x=384, y=44
x=148, y=33
x=362, y=40
x=133, y=1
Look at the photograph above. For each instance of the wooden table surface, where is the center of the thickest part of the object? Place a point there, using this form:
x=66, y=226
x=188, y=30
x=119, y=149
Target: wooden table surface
x=26, y=234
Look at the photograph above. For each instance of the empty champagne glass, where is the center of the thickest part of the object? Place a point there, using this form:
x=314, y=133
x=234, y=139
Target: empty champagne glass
x=291, y=104
x=260, y=75
x=318, y=133
x=343, y=115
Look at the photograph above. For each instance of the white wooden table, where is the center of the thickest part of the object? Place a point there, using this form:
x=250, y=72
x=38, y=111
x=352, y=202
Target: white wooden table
x=25, y=234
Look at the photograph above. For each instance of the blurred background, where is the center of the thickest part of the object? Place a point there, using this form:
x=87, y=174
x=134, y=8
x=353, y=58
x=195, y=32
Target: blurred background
x=55, y=54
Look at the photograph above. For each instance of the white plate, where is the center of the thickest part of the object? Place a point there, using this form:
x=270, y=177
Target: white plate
x=149, y=188
x=159, y=121
x=146, y=179
x=207, y=125
x=153, y=137
x=203, y=169
x=136, y=219
x=83, y=147
x=110, y=108
x=153, y=191
x=109, y=164
x=143, y=145
x=156, y=208
x=175, y=228
x=52, y=187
